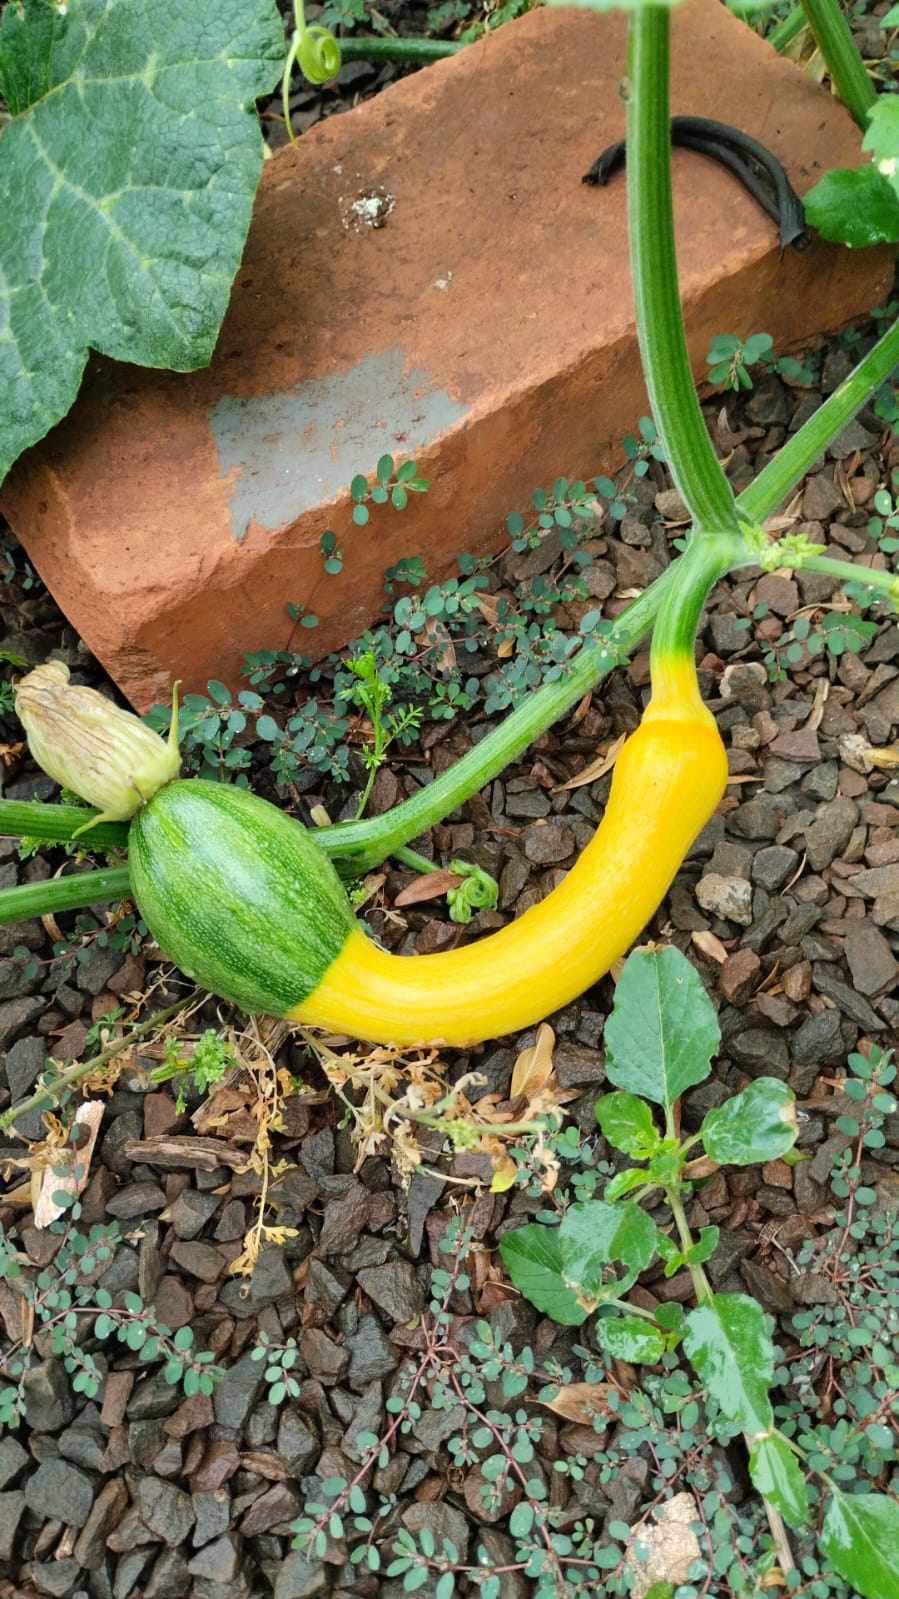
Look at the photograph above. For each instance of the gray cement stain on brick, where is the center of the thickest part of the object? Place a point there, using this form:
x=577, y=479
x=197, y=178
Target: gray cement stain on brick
x=292, y=451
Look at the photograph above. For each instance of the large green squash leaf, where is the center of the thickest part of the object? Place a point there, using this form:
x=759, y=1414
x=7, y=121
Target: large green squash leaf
x=127, y=176
x=663, y=1030
x=860, y=1537
x=854, y=205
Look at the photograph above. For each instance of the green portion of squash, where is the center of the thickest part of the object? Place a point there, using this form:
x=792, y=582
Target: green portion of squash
x=237, y=894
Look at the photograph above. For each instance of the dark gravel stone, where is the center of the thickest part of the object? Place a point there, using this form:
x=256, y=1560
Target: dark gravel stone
x=191, y=1211
x=16, y=1015
x=758, y=818
x=443, y=1520
x=107, y=1511
x=236, y=1394
x=13, y=1459
x=813, y=1288
x=56, y=1577
x=299, y=1578
x=371, y=1354
x=732, y=1246
x=546, y=844
x=49, y=1402
x=12, y=1509
x=218, y=1562
x=576, y=1066
x=62, y=1487
x=326, y=1359
x=772, y=866
x=296, y=1444
x=136, y=1199
x=200, y=1260
x=818, y=1039
x=870, y=959
x=626, y=1488
x=845, y=998
x=394, y=1288
x=760, y=1053
x=830, y=832
x=165, y=1510
x=85, y=1440
x=278, y=1505
x=129, y=1570
x=213, y=1513
x=271, y=1278
x=344, y=1220
x=529, y=804
x=772, y=1292
x=170, y=1577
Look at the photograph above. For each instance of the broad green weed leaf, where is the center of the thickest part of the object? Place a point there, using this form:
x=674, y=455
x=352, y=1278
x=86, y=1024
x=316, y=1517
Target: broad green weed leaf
x=532, y=1256
x=127, y=176
x=663, y=1031
x=626, y=1122
x=854, y=205
x=758, y=1124
x=593, y=1235
x=630, y=1338
x=860, y=1537
x=728, y=1342
x=777, y=1474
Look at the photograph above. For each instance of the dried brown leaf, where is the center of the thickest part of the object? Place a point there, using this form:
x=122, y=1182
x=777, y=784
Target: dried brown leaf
x=597, y=768
x=710, y=946
x=581, y=1401
x=432, y=885
x=533, y=1068
x=69, y=1173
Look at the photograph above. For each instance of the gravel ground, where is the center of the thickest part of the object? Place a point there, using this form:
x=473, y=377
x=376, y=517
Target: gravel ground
x=789, y=906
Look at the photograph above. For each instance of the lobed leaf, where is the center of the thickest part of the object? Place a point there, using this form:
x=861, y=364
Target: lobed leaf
x=856, y=206
x=127, y=176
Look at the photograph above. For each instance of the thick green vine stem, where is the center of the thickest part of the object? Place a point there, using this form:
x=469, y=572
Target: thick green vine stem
x=407, y=52
x=58, y=824
x=355, y=847
x=660, y=325
x=64, y=894
x=767, y=491
x=786, y=31
x=849, y=75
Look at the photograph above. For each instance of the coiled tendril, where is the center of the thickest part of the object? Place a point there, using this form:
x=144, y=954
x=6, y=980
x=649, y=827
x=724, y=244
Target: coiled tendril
x=317, y=54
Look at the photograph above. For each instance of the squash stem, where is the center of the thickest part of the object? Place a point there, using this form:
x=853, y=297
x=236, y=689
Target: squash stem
x=660, y=325
x=849, y=75
x=767, y=491
x=672, y=659
x=786, y=31
x=355, y=847
x=64, y=894
x=58, y=824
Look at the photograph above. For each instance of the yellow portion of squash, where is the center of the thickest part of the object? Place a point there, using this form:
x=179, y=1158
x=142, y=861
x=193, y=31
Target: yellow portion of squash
x=668, y=780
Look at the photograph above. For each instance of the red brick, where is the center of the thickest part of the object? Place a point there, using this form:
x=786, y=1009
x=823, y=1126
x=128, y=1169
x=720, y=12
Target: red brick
x=485, y=329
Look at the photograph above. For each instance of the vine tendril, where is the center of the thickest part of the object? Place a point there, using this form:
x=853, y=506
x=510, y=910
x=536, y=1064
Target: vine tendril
x=317, y=54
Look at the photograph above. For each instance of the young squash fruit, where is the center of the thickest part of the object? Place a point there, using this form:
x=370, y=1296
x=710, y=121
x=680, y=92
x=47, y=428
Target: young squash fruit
x=248, y=905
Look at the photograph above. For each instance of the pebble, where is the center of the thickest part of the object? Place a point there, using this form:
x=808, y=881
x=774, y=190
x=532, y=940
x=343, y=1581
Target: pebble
x=12, y=1509
x=136, y=1199
x=870, y=959
x=758, y=818
x=299, y=1578
x=728, y=897
x=545, y=844
x=773, y=865
x=739, y=976
x=67, y=1488
x=830, y=832
x=165, y=1510
x=394, y=1288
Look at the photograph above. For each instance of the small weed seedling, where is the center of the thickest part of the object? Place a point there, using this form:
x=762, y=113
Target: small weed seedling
x=660, y=1040
x=730, y=358
x=392, y=484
